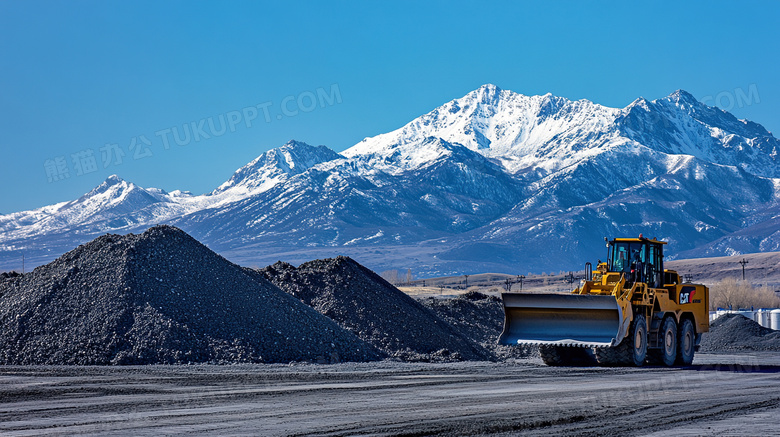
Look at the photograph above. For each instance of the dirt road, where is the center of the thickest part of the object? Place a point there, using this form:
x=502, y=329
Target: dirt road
x=722, y=394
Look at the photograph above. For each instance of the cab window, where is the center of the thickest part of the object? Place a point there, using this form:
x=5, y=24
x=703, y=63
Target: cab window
x=624, y=254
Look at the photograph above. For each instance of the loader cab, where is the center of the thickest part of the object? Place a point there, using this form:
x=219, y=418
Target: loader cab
x=639, y=259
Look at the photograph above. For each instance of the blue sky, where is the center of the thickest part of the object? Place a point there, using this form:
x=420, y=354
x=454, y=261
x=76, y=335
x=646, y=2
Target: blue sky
x=80, y=75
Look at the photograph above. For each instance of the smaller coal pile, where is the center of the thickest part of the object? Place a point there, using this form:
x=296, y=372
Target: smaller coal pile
x=478, y=316
x=9, y=276
x=159, y=297
x=365, y=304
x=734, y=332
x=474, y=314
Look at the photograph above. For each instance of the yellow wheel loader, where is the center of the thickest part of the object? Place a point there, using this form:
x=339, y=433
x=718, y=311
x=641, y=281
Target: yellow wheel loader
x=627, y=312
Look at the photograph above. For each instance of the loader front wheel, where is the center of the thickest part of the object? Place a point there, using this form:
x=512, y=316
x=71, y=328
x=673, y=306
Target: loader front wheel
x=632, y=351
x=639, y=341
x=566, y=356
x=686, y=343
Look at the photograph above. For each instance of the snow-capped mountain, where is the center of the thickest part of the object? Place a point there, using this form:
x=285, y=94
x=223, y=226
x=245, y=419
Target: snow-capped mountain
x=537, y=133
x=494, y=180
x=274, y=167
x=115, y=203
x=681, y=125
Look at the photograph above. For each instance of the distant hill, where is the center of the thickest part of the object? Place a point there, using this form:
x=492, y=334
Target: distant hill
x=761, y=268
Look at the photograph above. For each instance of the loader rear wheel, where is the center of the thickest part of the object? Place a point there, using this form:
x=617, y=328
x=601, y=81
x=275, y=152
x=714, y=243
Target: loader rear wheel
x=566, y=356
x=632, y=351
x=686, y=343
x=668, y=341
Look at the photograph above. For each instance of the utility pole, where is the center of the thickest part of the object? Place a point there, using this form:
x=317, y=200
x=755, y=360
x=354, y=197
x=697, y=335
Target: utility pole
x=467, y=281
x=520, y=280
x=508, y=284
x=743, y=262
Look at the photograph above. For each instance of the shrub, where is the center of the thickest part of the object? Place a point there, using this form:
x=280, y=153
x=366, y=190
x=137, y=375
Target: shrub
x=741, y=294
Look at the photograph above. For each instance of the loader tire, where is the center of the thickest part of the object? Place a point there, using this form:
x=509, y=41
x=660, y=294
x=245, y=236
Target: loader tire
x=566, y=356
x=686, y=343
x=669, y=344
x=666, y=354
x=632, y=351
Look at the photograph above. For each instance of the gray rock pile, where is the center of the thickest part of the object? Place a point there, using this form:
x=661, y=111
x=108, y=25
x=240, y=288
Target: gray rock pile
x=365, y=304
x=159, y=297
x=734, y=332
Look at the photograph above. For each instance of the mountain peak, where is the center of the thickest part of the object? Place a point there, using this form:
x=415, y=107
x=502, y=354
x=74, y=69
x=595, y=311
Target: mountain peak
x=488, y=93
x=294, y=144
x=297, y=156
x=113, y=180
x=640, y=102
x=114, y=184
x=682, y=96
x=265, y=171
x=108, y=184
x=489, y=87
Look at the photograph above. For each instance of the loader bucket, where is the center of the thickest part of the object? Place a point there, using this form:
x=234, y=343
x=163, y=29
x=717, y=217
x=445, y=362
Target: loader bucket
x=561, y=319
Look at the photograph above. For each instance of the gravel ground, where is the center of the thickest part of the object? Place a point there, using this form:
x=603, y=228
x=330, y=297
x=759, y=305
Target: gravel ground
x=159, y=297
x=730, y=396
x=362, y=302
x=734, y=332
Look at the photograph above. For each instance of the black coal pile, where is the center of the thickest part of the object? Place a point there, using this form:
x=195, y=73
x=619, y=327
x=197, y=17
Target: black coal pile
x=734, y=332
x=365, y=304
x=478, y=316
x=159, y=297
x=475, y=314
x=9, y=276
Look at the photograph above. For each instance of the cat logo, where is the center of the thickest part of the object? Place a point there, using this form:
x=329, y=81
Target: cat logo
x=686, y=294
